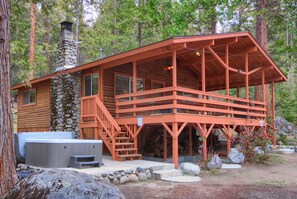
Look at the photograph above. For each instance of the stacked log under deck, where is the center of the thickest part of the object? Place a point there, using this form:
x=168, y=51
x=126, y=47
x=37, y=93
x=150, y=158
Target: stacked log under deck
x=190, y=68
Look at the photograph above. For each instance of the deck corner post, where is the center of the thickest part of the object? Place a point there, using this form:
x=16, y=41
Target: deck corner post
x=190, y=140
x=175, y=144
x=204, y=143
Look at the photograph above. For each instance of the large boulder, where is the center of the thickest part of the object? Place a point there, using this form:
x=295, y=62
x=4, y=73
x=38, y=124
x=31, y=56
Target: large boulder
x=235, y=156
x=190, y=169
x=215, y=163
x=63, y=184
x=284, y=127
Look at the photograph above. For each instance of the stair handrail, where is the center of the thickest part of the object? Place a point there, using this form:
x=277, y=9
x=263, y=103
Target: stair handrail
x=108, y=117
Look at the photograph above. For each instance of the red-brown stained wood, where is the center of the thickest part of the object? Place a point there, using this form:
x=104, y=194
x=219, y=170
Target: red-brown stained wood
x=35, y=117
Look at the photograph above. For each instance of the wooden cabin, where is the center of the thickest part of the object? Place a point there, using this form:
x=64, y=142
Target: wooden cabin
x=179, y=84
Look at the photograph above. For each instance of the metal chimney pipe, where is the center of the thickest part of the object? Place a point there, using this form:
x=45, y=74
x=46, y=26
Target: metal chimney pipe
x=101, y=54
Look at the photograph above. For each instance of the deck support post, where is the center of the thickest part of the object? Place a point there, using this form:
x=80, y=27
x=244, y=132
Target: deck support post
x=247, y=75
x=134, y=83
x=175, y=144
x=228, y=139
x=165, y=144
x=203, y=83
x=227, y=74
x=204, y=144
x=273, y=113
x=190, y=140
x=174, y=79
x=96, y=131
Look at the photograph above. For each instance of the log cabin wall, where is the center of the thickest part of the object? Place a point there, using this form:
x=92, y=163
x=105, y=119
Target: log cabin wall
x=34, y=117
x=148, y=71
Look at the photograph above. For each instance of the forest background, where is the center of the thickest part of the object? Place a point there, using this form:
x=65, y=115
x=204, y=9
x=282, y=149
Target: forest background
x=120, y=25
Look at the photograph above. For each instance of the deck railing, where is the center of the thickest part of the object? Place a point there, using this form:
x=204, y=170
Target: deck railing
x=186, y=100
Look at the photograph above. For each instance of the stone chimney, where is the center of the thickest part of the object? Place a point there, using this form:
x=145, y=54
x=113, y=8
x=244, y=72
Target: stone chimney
x=66, y=54
x=65, y=89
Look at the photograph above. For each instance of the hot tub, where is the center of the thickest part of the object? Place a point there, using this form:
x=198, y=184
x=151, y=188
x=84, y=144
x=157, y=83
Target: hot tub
x=55, y=153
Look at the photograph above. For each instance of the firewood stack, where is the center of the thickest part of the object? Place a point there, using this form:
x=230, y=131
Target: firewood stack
x=154, y=146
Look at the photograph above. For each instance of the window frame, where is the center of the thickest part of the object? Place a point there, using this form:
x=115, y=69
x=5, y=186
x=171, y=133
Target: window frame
x=35, y=98
x=84, y=84
x=130, y=87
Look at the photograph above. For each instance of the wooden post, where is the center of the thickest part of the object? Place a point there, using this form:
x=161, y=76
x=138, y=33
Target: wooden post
x=134, y=82
x=273, y=113
x=204, y=144
x=228, y=139
x=101, y=89
x=96, y=133
x=135, y=138
x=227, y=74
x=247, y=76
x=165, y=144
x=82, y=133
x=227, y=70
x=190, y=140
x=174, y=79
x=175, y=144
x=203, y=86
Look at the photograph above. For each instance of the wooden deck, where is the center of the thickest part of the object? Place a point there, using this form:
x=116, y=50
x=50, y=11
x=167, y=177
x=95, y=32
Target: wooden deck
x=173, y=107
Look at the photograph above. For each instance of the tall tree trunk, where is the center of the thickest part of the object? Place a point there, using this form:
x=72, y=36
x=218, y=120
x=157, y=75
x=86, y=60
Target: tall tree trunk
x=78, y=14
x=7, y=159
x=261, y=36
x=47, y=41
x=32, y=40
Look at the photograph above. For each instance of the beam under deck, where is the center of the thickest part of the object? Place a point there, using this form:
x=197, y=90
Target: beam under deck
x=190, y=118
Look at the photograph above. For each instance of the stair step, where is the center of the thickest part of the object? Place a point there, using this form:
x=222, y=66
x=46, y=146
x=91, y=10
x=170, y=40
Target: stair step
x=130, y=155
x=124, y=143
x=167, y=173
x=80, y=161
x=80, y=165
x=82, y=158
x=127, y=149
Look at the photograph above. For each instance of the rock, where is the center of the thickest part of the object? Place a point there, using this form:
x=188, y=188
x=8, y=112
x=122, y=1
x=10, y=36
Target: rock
x=63, y=184
x=111, y=177
x=190, y=169
x=147, y=171
x=149, y=176
x=142, y=177
x=258, y=151
x=118, y=176
x=215, y=163
x=124, y=180
x=139, y=169
x=116, y=181
x=235, y=157
x=129, y=171
x=133, y=178
x=104, y=175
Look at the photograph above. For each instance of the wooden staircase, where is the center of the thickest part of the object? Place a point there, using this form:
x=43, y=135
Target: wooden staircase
x=118, y=140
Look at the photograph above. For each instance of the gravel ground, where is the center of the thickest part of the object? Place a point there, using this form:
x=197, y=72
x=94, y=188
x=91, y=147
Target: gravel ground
x=276, y=180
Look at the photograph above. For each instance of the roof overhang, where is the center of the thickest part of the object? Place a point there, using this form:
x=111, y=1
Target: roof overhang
x=165, y=47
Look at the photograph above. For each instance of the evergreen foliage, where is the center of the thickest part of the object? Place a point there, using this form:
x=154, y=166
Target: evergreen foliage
x=121, y=25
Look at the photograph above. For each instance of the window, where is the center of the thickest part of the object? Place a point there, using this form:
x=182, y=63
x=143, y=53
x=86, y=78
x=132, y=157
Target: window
x=29, y=97
x=125, y=85
x=91, y=84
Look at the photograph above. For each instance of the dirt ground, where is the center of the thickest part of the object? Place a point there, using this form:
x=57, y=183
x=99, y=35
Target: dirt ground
x=276, y=180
